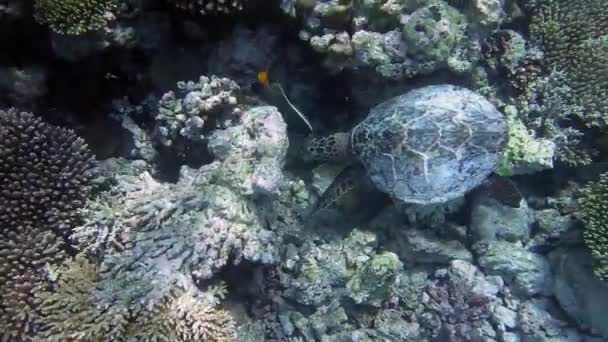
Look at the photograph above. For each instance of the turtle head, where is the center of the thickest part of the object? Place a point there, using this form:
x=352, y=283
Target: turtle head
x=335, y=147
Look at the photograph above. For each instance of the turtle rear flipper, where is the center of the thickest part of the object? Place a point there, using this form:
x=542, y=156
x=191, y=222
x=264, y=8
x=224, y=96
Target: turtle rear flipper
x=351, y=196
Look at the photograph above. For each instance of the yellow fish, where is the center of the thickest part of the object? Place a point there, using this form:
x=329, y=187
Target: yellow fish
x=264, y=78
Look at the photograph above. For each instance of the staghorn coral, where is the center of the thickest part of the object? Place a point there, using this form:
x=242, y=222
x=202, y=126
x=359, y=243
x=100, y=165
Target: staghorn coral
x=74, y=17
x=45, y=173
x=183, y=317
x=208, y=7
x=594, y=210
x=573, y=37
x=71, y=313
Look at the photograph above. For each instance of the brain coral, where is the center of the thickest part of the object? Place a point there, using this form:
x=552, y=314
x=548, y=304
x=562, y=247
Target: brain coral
x=44, y=172
x=74, y=16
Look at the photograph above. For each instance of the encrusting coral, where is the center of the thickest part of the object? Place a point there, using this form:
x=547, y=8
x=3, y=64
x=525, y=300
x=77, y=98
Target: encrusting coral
x=594, y=209
x=45, y=173
x=74, y=16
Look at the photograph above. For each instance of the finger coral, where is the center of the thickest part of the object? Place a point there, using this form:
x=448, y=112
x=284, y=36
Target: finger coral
x=74, y=16
x=44, y=172
x=594, y=209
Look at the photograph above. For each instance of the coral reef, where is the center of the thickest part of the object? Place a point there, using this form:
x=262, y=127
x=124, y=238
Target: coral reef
x=373, y=281
x=572, y=36
x=74, y=16
x=524, y=153
x=123, y=24
x=540, y=99
x=594, y=214
x=45, y=175
x=388, y=42
x=69, y=312
x=156, y=243
x=195, y=225
x=154, y=237
x=184, y=115
x=547, y=106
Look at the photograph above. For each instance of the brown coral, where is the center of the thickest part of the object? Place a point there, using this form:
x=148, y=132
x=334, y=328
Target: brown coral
x=184, y=317
x=70, y=312
x=44, y=172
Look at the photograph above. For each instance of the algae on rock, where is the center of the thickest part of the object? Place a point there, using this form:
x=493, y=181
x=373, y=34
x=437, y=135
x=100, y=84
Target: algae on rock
x=374, y=281
x=524, y=153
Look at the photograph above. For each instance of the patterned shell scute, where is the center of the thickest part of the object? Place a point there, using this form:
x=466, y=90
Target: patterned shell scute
x=430, y=145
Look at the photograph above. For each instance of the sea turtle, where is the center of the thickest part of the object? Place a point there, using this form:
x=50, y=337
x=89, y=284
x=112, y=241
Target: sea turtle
x=429, y=145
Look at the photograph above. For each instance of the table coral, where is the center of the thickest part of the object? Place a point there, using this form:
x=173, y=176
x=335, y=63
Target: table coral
x=74, y=16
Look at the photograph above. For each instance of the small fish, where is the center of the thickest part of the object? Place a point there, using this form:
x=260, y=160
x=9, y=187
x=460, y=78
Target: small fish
x=110, y=76
x=264, y=80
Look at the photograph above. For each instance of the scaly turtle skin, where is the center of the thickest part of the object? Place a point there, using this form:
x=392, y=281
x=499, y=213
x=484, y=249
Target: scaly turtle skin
x=430, y=145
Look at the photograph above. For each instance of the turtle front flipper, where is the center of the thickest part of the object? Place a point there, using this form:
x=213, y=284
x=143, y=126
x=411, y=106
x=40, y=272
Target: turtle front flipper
x=352, y=197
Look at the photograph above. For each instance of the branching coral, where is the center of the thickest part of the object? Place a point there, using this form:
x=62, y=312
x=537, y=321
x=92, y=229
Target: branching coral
x=154, y=237
x=547, y=106
x=44, y=172
x=187, y=113
x=71, y=313
x=574, y=38
x=594, y=209
x=74, y=16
